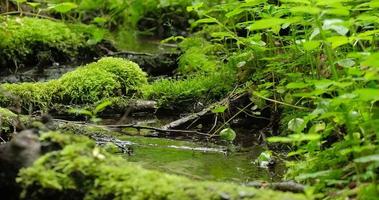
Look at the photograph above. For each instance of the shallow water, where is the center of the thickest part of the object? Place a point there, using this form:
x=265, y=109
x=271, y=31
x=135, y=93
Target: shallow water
x=199, y=160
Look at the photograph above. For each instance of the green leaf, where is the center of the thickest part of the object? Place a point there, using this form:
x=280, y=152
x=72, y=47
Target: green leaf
x=367, y=159
x=295, y=138
x=367, y=94
x=222, y=35
x=337, y=41
x=322, y=84
x=266, y=23
x=297, y=85
x=346, y=62
x=78, y=111
x=219, y=109
x=374, y=4
x=311, y=45
x=372, y=60
x=102, y=106
x=306, y=2
x=228, y=134
x=295, y=124
x=210, y=20
x=338, y=12
x=33, y=5
x=312, y=10
x=63, y=7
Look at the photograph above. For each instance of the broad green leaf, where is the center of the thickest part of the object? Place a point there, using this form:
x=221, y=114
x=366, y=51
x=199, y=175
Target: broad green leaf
x=222, y=35
x=234, y=12
x=102, y=106
x=266, y=23
x=338, y=11
x=322, y=84
x=367, y=159
x=78, y=111
x=312, y=10
x=306, y=2
x=336, y=25
x=374, y=4
x=346, y=62
x=219, y=109
x=210, y=20
x=367, y=94
x=295, y=138
x=297, y=85
x=311, y=45
x=33, y=5
x=63, y=7
x=337, y=41
x=372, y=60
x=228, y=134
x=295, y=124
x=100, y=20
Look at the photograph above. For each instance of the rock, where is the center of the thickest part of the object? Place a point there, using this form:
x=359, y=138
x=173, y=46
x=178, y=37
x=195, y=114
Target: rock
x=20, y=152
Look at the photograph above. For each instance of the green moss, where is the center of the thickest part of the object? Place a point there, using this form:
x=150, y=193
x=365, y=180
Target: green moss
x=26, y=37
x=83, y=171
x=7, y=120
x=88, y=84
x=171, y=92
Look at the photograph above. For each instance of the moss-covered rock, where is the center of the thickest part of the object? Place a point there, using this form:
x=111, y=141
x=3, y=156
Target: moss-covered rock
x=200, y=87
x=35, y=40
x=83, y=171
x=88, y=84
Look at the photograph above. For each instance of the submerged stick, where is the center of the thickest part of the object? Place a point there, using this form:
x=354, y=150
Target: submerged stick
x=156, y=129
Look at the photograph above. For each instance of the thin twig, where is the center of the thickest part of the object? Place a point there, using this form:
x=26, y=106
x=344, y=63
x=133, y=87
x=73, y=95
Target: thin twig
x=28, y=13
x=279, y=102
x=214, y=125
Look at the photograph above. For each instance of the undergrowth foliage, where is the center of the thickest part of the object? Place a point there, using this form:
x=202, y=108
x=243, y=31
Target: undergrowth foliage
x=316, y=61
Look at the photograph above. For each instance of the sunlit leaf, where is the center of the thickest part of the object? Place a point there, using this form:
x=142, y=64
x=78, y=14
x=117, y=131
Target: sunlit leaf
x=346, y=62
x=297, y=85
x=219, y=109
x=368, y=94
x=295, y=124
x=102, y=106
x=322, y=84
x=374, y=4
x=337, y=41
x=366, y=159
x=311, y=45
x=266, y=23
x=312, y=10
x=336, y=25
x=63, y=7
x=372, y=60
x=338, y=12
x=228, y=134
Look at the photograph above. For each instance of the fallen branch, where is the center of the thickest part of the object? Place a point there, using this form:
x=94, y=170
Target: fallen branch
x=155, y=129
x=184, y=120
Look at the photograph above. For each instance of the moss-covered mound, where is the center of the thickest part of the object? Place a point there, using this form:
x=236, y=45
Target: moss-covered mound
x=200, y=87
x=88, y=84
x=35, y=40
x=83, y=171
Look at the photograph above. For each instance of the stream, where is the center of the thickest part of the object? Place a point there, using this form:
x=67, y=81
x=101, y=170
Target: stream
x=197, y=159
